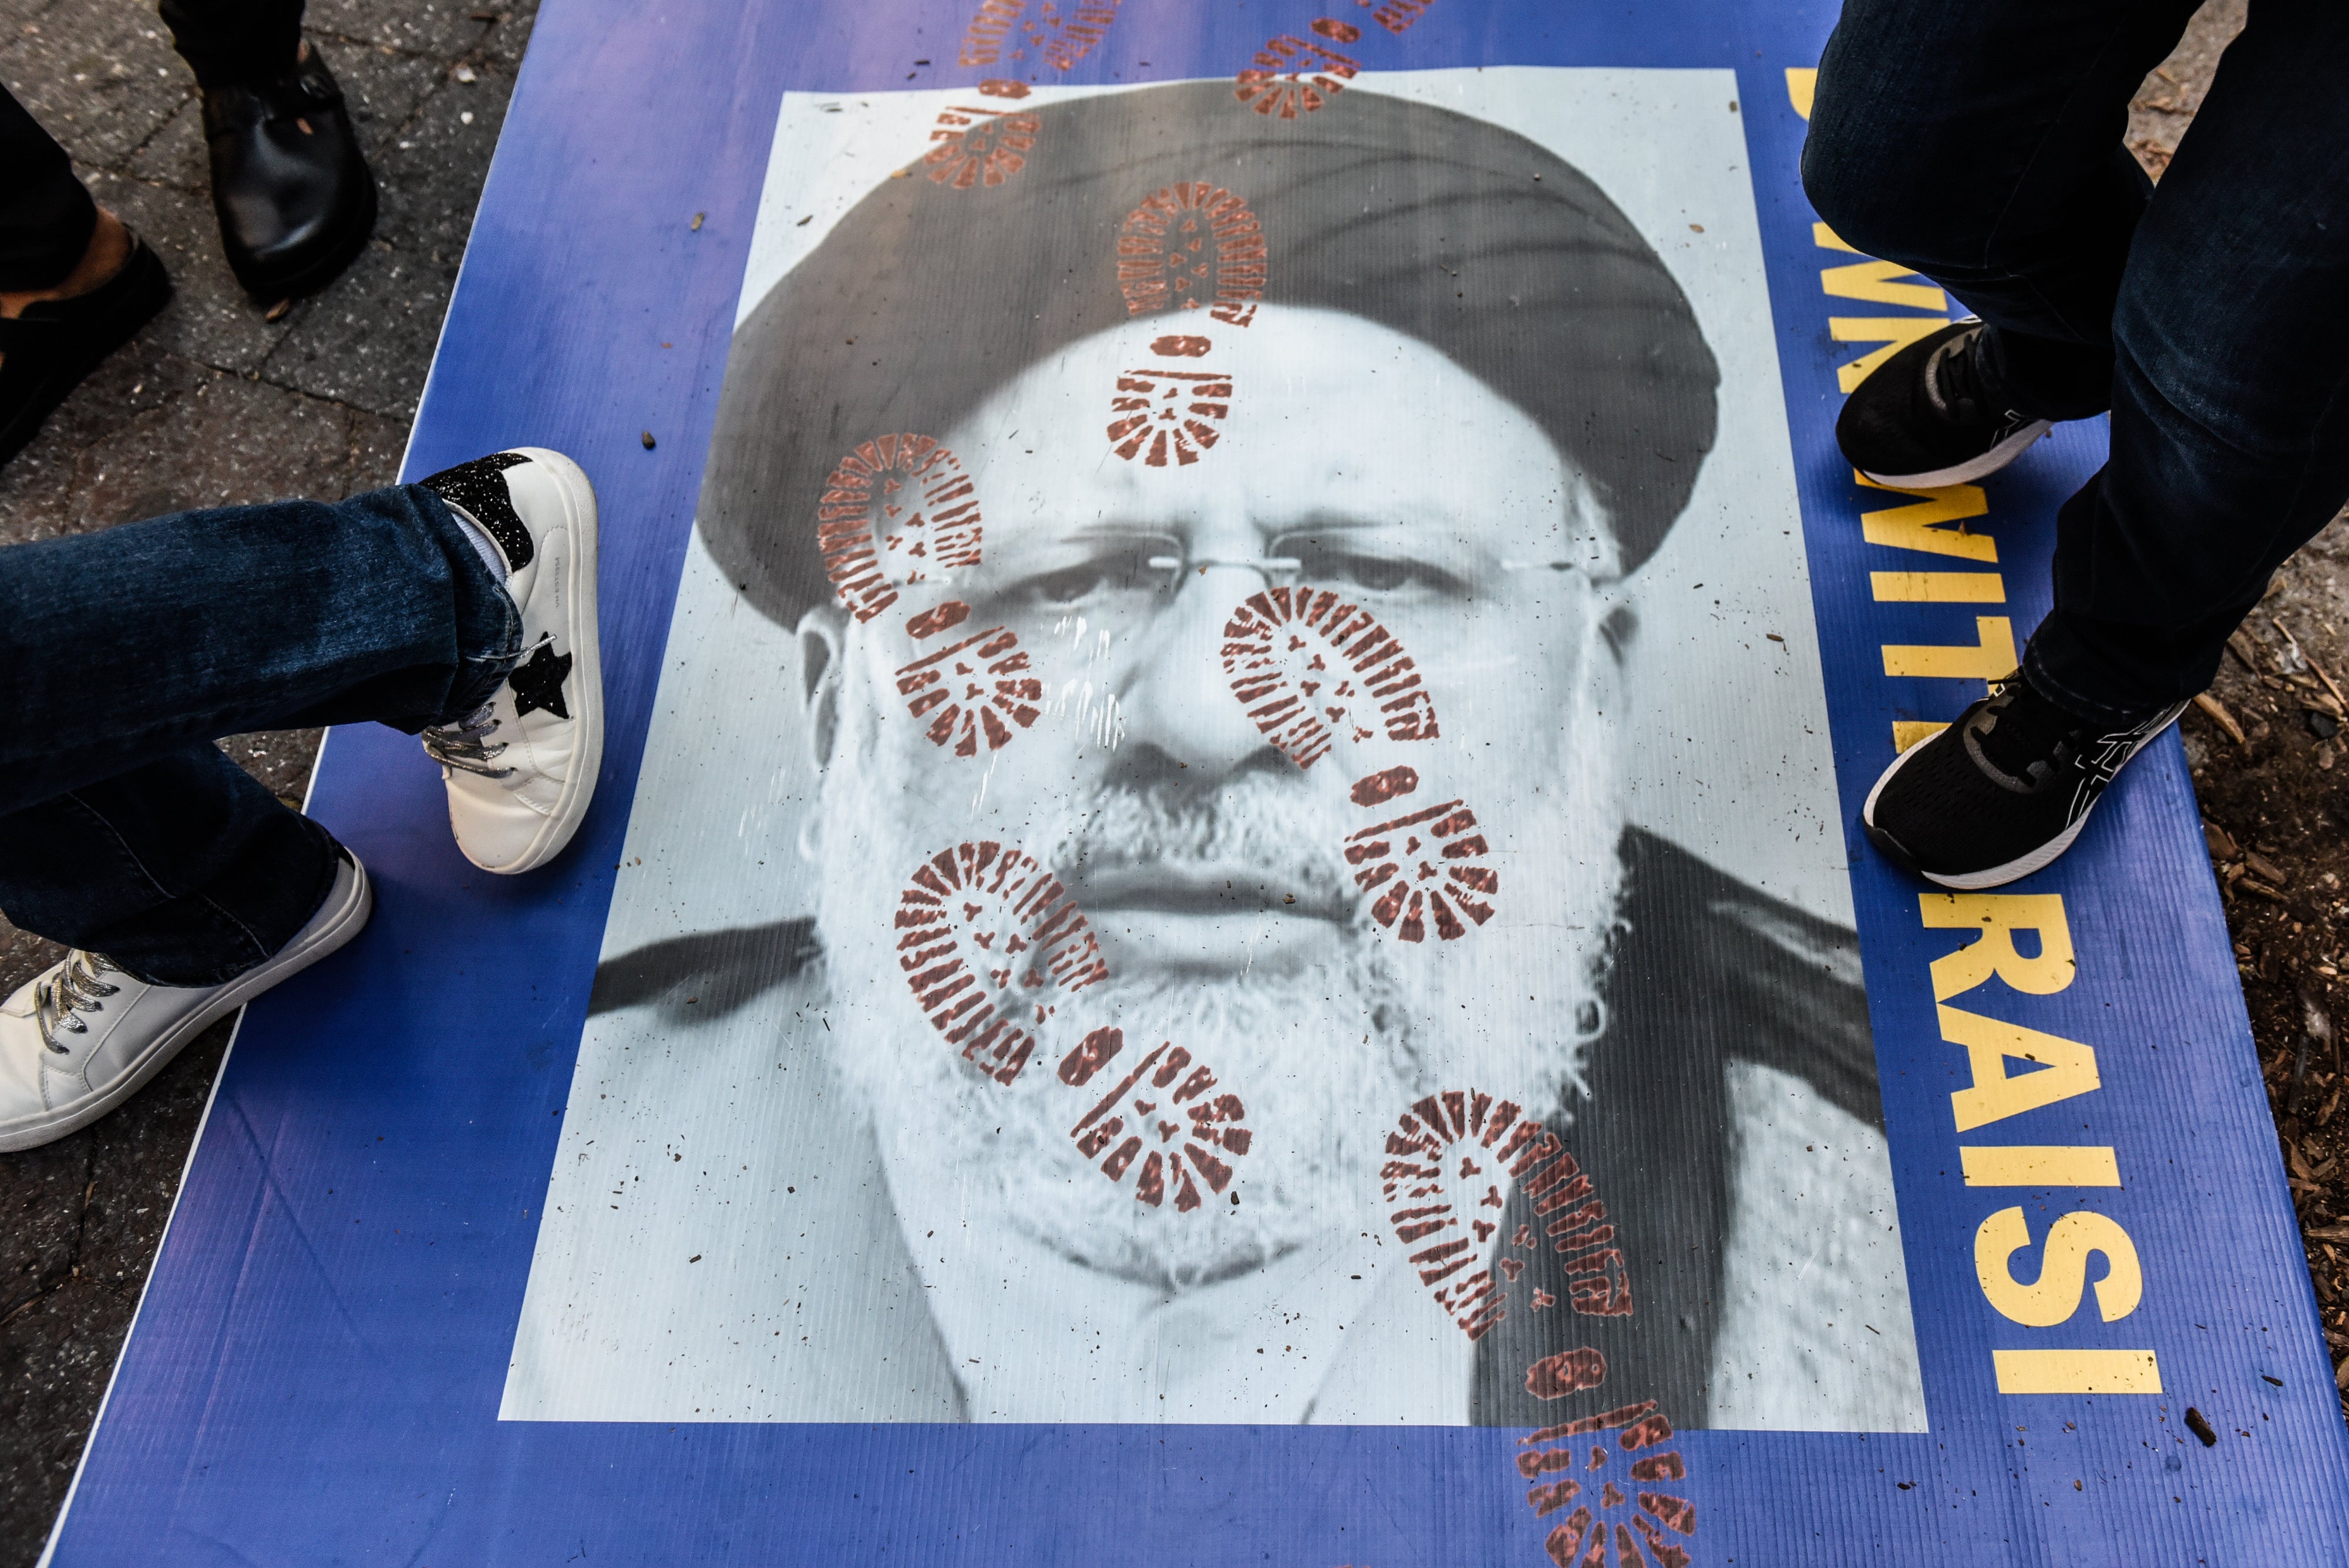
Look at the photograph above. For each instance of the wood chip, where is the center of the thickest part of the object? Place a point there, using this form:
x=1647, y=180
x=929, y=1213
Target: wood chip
x=2267, y=870
x=2216, y=712
x=2318, y=670
x=2222, y=847
x=277, y=311
x=2246, y=651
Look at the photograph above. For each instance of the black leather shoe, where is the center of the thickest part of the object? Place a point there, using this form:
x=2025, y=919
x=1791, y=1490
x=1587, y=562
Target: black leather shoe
x=46, y=352
x=292, y=189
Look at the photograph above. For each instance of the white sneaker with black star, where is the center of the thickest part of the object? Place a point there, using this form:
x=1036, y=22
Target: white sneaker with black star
x=521, y=768
x=81, y=1038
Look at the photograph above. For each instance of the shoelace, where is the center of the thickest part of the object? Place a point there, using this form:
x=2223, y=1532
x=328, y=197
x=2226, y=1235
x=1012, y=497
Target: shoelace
x=466, y=745
x=2028, y=737
x=1950, y=380
x=59, y=1000
x=1953, y=384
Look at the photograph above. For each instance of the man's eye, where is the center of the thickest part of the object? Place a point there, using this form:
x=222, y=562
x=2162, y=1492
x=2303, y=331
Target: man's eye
x=1087, y=580
x=1369, y=574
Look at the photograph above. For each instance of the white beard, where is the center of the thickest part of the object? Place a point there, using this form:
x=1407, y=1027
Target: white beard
x=1324, y=1059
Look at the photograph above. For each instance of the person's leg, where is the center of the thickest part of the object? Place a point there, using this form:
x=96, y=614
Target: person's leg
x=290, y=182
x=183, y=871
x=2230, y=397
x=2230, y=448
x=126, y=645
x=128, y=650
x=74, y=283
x=233, y=43
x=1979, y=142
x=121, y=825
x=46, y=215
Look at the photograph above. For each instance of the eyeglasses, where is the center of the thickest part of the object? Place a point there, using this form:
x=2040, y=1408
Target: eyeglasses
x=1117, y=582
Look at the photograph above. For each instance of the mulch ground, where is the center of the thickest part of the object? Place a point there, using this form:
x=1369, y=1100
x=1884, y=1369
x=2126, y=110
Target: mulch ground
x=2268, y=751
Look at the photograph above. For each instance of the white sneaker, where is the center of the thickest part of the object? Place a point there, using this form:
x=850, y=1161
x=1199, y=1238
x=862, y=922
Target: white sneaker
x=521, y=768
x=81, y=1038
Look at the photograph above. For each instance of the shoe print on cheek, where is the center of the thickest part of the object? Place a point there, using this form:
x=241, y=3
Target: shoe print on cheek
x=973, y=689
x=1314, y=670
x=986, y=934
x=899, y=512
x=1427, y=868
x=1317, y=674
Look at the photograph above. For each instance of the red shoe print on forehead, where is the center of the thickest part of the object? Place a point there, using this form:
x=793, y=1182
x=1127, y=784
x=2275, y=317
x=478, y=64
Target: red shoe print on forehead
x=1163, y=413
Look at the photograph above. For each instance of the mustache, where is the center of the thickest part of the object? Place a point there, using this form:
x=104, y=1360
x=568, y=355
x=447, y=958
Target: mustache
x=1272, y=827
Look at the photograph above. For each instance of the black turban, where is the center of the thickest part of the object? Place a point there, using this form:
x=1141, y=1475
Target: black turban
x=931, y=293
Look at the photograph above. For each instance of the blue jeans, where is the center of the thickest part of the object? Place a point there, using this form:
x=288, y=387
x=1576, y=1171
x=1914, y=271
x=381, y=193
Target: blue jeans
x=1979, y=142
x=126, y=653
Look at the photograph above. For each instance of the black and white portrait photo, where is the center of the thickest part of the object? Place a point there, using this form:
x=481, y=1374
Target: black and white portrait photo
x=1238, y=824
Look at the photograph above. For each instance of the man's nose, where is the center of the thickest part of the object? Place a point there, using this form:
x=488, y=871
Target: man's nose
x=1177, y=698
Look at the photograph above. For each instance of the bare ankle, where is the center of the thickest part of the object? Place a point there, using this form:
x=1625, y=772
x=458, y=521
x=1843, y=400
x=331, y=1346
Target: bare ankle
x=101, y=259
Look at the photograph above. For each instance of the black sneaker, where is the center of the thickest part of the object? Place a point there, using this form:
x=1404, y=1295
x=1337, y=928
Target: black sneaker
x=1925, y=419
x=46, y=352
x=2000, y=793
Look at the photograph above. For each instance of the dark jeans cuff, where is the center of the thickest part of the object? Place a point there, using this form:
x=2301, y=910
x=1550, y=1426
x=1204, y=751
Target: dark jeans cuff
x=2044, y=378
x=183, y=872
x=489, y=625
x=2088, y=676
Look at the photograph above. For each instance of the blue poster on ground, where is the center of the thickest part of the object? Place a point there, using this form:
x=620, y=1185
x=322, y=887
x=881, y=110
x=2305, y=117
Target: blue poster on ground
x=1223, y=923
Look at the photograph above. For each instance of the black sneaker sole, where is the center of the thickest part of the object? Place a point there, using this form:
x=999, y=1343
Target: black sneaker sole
x=142, y=288
x=1973, y=468
x=2014, y=871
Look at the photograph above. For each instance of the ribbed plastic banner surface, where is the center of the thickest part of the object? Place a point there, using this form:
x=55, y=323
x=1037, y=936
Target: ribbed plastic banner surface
x=1224, y=923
